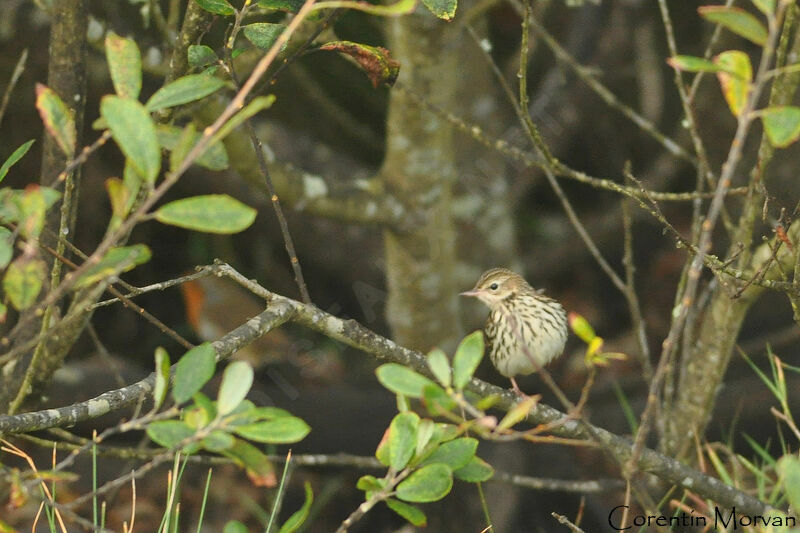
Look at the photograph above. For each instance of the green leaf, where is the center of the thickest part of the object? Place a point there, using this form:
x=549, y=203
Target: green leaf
x=263, y=34
x=443, y=9
x=236, y=382
x=290, y=6
x=374, y=60
x=6, y=247
x=369, y=484
x=467, y=358
x=259, y=467
x=437, y=401
x=162, y=377
x=692, y=64
x=256, y=104
x=180, y=143
x=425, y=432
x=401, y=7
x=32, y=207
x=736, y=20
x=208, y=408
x=734, y=77
x=115, y=262
x=218, y=441
x=23, y=281
x=184, y=90
x=283, y=430
x=789, y=468
x=402, y=439
x=234, y=526
x=125, y=65
x=134, y=132
x=413, y=514
x=57, y=119
x=192, y=371
x=455, y=454
x=475, y=471
x=440, y=366
x=15, y=156
x=581, y=327
x=765, y=6
x=402, y=380
x=296, y=520
x=428, y=484
x=782, y=124
x=213, y=213
x=218, y=7
x=117, y=196
x=169, y=433
x=200, y=55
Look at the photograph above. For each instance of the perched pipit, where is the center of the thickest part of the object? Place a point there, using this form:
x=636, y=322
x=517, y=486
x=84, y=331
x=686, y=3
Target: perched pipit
x=525, y=330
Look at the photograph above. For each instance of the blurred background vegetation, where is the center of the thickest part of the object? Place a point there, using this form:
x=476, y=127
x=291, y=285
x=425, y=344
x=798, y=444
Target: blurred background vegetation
x=463, y=207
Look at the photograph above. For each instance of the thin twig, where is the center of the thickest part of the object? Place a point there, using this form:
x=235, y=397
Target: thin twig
x=12, y=82
x=258, y=149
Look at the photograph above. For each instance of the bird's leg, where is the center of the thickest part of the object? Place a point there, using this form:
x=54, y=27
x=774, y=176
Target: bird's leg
x=516, y=388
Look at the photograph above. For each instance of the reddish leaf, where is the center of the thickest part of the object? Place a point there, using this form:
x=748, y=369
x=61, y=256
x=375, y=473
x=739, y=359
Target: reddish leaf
x=374, y=60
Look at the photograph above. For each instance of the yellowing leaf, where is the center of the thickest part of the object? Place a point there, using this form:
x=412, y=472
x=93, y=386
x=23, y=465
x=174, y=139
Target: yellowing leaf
x=734, y=78
x=57, y=118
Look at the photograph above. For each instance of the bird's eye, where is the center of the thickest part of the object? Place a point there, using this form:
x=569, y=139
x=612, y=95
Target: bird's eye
x=493, y=286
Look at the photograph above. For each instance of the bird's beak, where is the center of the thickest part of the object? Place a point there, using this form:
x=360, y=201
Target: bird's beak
x=473, y=292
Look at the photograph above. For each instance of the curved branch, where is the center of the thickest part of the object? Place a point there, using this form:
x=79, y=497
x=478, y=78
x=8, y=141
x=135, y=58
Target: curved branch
x=350, y=332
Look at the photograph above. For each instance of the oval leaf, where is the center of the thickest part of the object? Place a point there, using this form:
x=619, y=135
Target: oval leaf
x=125, y=65
x=692, y=64
x=236, y=382
x=259, y=468
x=734, y=77
x=184, y=90
x=290, y=6
x=455, y=453
x=402, y=439
x=413, y=514
x=782, y=124
x=57, y=119
x=467, y=358
x=440, y=366
x=115, y=262
x=134, y=132
x=402, y=380
x=475, y=471
x=218, y=441
x=23, y=281
x=192, y=371
x=218, y=7
x=213, y=213
x=428, y=484
x=401, y=7
x=169, y=433
x=162, y=377
x=6, y=247
x=263, y=34
x=443, y=9
x=283, y=430
x=736, y=20
x=200, y=55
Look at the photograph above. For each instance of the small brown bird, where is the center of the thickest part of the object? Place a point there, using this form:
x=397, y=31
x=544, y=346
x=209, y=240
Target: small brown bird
x=525, y=329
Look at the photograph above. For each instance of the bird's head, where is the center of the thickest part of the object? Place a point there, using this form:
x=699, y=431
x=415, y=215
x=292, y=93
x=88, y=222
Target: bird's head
x=496, y=285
